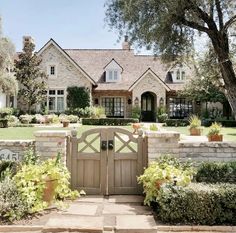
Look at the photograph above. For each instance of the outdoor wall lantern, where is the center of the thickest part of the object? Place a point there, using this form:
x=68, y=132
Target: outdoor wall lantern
x=161, y=101
x=129, y=101
x=136, y=101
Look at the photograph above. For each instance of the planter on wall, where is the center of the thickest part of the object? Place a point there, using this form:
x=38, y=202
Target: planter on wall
x=136, y=126
x=215, y=138
x=195, y=132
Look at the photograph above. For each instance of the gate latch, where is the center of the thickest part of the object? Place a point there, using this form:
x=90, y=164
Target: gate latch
x=110, y=144
x=104, y=145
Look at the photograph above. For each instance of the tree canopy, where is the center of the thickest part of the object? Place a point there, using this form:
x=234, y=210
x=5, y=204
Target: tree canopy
x=8, y=83
x=169, y=27
x=32, y=80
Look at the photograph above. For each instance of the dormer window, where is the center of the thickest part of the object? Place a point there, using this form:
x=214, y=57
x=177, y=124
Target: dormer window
x=113, y=71
x=178, y=74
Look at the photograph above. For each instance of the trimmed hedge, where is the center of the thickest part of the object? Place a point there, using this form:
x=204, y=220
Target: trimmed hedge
x=109, y=121
x=212, y=172
x=3, y=123
x=177, y=122
x=225, y=123
x=198, y=204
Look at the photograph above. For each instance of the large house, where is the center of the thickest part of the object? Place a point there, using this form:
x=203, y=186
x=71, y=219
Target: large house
x=117, y=80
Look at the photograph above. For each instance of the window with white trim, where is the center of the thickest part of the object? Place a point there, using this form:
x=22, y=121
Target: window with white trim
x=52, y=70
x=56, y=100
x=112, y=76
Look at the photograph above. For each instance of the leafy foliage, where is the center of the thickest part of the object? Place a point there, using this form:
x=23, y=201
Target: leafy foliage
x=166, y=170
x=109, y=121
x=136, y=112
x=32, y=80
x=78, y=97
x=212, y=172
x=194, y=122
x=176, y=122
x=12, y=205
x=8, y=81
x=214, y=129
x=198, y=204
x=30, y=181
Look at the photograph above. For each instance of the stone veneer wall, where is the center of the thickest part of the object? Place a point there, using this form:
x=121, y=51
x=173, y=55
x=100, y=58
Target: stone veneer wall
x=49, y=143
x=167, y=142
x=17, y=146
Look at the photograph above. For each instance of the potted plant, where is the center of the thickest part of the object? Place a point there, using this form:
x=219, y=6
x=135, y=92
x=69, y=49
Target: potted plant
x=214, y=133
x=64, y=120
x=195, y=125
x=136, y=126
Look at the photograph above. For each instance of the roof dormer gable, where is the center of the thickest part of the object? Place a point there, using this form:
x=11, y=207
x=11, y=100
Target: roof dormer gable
x=113, y=71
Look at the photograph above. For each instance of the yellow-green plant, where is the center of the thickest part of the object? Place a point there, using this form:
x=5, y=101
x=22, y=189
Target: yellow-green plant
x=215, y=129
x=166, y=170
x=30, y=181
x=194, y=122
x=153, y=127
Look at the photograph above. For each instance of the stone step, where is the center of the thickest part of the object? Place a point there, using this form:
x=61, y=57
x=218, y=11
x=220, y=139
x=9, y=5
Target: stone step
x=88, y=224
x=135, y=224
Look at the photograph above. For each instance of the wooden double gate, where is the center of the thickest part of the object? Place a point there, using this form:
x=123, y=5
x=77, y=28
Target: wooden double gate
x=107, y=161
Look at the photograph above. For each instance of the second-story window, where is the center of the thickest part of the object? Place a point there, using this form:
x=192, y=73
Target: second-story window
x=113, y=76
x=52, y=70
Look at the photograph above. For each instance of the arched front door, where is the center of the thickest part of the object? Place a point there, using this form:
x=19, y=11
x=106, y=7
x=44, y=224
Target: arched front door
x=148, y=107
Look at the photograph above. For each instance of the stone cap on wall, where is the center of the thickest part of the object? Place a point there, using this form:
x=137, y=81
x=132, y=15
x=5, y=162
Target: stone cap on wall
x=208, y=144
x=162, y=134
x=52, y=133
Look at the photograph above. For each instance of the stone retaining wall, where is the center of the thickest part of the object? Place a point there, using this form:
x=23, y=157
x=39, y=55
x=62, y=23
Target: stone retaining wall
x=167, y=142
x=15, y=148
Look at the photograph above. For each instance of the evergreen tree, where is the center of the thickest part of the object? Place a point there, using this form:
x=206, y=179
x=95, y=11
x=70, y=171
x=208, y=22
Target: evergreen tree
x=33, y=87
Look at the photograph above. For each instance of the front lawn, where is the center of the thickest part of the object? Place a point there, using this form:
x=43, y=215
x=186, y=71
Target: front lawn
x=25, y=133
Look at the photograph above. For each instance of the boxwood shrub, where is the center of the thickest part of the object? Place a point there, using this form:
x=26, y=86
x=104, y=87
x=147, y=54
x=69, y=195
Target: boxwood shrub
x=198, y=203
x=212, y=172
x=109, y=121
x=224, y=123
x=177, y=122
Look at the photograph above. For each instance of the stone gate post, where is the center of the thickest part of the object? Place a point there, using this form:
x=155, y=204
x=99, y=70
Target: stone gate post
x=49, y=143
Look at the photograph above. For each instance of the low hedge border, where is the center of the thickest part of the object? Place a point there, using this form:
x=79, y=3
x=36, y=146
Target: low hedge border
x=224, y=123
x=177, y=122
x=198, y=203
x=109, y=121
x=212, y=172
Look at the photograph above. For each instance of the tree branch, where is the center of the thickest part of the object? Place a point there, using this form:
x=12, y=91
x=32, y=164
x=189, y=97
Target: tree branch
x=220, y=14
x=194, y=25
x=228, y=23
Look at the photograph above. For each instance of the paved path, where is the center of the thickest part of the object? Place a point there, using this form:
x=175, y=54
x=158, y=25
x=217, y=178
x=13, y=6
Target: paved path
x=113, y=214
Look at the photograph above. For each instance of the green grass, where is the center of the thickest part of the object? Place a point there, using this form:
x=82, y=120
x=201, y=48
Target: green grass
x=229, y=133
x=28, y=132
x=25, y=133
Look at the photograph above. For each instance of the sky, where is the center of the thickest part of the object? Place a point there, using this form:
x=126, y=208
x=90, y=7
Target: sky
x=71, y=23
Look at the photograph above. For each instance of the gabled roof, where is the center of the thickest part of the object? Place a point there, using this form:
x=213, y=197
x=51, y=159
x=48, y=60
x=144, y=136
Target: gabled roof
x=149, y=71
x=113, y=60
x=68, y=57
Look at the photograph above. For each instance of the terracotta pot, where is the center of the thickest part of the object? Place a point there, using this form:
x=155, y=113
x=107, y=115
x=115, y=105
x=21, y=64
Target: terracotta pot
x=215, y=138
x=195, y=132
x=65, y=124
x=159, y=183
x=136, y=126
x=49, y=190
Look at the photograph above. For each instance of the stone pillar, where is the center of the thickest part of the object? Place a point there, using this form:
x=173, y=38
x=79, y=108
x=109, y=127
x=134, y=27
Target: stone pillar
x=162, y=143
x=49, y=143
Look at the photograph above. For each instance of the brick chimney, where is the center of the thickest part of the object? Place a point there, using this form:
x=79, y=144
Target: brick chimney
x=125, y=44
x=28, y=39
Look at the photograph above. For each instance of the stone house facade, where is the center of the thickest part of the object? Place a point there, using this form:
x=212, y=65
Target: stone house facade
x=117, y=79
